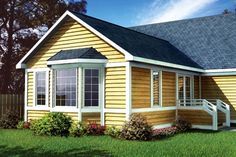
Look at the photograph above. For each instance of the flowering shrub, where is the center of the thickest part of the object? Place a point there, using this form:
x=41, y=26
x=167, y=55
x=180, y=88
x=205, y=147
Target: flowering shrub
x=136, y=128
x=159, y=133
x=95, y=129
x=113, y=132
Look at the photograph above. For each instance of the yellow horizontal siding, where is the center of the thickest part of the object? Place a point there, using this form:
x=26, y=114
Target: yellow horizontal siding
x=34, y=115
x=168, y=89
x=196, y=117
x=159, y=117
x=30, y=89
x=114, y=119
x=91, y=117
x=141, y=88
x=72, y=35
x=115, y=88
x=221, y=87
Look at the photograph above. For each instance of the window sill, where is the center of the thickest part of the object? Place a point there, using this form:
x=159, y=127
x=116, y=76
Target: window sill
x=38, y=108
x=91, y=109
x=64, y=109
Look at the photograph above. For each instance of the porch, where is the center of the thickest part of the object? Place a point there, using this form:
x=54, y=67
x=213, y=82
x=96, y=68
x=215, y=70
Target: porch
x=204, y=113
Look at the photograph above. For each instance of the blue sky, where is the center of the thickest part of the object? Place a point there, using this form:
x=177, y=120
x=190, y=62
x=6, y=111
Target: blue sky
x=138, y=12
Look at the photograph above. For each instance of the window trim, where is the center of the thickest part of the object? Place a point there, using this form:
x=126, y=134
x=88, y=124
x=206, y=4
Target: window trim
x=80, y=92
x=160, y=89
x=100, y=84
x=35, y=87
x=184, y=86
x=54, y=84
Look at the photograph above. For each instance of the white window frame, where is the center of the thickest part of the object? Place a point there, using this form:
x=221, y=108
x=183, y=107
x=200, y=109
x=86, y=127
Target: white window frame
x=159, y=86
x=64, y=108
x=100, y=84
x=35, y=87
x=184, y=86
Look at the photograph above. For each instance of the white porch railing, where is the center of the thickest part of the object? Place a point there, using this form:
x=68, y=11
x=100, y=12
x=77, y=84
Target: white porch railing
x=225, y=108
x=201, y=104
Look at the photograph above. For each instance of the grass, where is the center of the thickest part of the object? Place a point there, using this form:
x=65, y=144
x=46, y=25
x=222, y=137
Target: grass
x=21, y=143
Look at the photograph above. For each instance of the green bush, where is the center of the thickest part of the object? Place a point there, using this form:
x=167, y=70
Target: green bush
x=113, y=132
x=20, y=125
x=52, y=124
x=23, y=125
x=136, y=129
x=77, y=129
x=182, y=125
x=9, y=120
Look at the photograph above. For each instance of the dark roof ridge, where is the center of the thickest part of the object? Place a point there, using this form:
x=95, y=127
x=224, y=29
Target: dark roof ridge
x=189, y=19
x=127, y=28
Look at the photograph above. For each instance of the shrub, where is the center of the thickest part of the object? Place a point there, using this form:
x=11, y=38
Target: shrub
x=182, y=125
x=9, y=120
x=136, y=129
x=113, y=132
x=23, y=125
x=52, y=124
x=94, y=129
x=77, y=129
x=165, y=132
x=20, y=125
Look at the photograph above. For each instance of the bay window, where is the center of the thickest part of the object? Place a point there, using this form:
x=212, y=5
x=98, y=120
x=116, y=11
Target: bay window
x=66, y=87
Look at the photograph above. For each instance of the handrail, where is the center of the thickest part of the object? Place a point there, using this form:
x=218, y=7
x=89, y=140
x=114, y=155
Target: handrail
x=225, y=108
x=212, y=110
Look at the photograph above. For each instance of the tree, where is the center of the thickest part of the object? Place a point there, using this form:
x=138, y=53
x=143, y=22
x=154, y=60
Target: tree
x=22, y=23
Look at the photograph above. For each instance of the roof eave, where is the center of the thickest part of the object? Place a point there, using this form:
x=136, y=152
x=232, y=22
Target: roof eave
x=166, y=64
x=72, y=61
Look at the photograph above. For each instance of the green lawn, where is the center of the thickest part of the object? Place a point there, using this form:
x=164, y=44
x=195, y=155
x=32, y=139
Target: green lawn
x=23, y=143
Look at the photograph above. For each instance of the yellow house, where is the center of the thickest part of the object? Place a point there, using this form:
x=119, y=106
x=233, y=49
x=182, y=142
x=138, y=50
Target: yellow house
x=97, y=71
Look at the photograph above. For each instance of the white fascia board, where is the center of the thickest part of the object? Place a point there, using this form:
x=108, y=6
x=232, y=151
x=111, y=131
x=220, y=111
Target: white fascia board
x=19, y=65
x=220, y=70
x=71, y=61
x=177, y=66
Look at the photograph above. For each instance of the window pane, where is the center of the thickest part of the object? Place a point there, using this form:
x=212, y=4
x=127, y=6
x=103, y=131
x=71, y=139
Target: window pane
x=41, y=87
x=155, y=88
x=91, y=87
x=66, y=87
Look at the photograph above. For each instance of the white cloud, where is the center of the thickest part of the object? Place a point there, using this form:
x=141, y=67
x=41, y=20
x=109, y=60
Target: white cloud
x=170, y=10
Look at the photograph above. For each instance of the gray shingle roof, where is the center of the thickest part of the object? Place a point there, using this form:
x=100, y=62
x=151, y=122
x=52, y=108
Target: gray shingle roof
x=83, y=53
x=209, y=41
x=139, y=44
